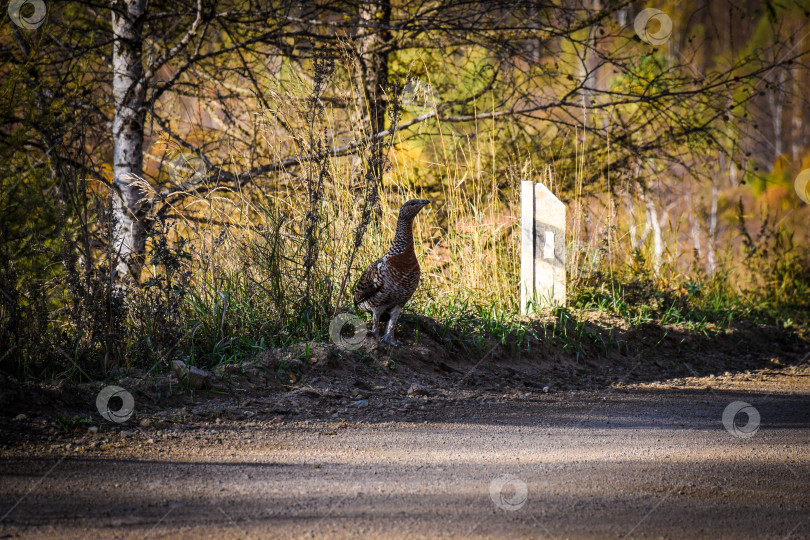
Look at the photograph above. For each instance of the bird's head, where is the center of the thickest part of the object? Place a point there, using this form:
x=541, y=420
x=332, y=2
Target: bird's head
x=412, y=207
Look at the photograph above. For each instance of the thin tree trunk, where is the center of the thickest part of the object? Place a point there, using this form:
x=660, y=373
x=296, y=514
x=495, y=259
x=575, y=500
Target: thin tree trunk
x=646, y=231
x=372, y=54
x=655, y=227
x=695, y=232
x=373, y=57
x=797, y=113
x=776, y=103
x=710, y=255
x=588, y=70
x=128, y=133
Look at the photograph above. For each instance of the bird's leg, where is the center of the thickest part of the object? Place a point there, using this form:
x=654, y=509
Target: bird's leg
x=392, y=326
x=375, y=321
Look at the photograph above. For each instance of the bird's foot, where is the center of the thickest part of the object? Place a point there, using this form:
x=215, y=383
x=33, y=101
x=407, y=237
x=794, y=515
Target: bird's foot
x=391, y=341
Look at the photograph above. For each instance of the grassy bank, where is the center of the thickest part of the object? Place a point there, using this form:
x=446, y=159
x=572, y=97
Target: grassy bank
x=227, y=276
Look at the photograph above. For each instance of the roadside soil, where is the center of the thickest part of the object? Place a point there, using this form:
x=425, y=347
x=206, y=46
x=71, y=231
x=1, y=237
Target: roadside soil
x=427, y=440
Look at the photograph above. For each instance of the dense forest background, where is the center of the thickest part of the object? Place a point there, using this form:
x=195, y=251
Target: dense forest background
x=205, y=179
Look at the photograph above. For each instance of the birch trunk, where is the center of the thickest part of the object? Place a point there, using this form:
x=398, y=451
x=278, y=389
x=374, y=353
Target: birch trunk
x=655, y=227
x=711, y=262
x=646, y=231
x=798, y=111
x=128, y=133
x=776, y=102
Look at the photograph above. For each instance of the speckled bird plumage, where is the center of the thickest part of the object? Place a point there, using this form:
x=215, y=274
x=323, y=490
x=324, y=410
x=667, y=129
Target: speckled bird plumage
x=390, y=281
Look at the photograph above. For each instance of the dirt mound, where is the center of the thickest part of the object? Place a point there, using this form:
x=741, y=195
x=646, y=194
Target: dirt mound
x=374, y=380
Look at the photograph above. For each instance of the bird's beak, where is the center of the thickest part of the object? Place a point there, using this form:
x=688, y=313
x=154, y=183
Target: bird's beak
x=425, y=202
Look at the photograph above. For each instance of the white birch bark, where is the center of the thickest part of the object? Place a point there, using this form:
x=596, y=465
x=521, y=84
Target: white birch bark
x=655, y=227
x=798, y=111
x=631, y=209
x=711, y=263
x=776, y=103
x=128, y=132
x=130, y=83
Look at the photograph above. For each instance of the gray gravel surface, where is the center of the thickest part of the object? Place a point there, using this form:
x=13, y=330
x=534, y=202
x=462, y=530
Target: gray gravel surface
x=646, y=461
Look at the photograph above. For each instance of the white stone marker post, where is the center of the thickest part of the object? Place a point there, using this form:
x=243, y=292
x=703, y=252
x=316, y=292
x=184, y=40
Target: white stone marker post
x=542, y=247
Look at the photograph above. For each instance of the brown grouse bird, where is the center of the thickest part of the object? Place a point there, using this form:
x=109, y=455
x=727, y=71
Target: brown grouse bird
x=390, y=281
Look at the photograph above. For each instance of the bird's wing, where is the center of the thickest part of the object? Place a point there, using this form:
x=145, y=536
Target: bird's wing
x=369, y=284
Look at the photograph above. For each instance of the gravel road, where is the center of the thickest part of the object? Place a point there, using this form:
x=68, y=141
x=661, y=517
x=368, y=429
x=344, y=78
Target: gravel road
x=651, y=461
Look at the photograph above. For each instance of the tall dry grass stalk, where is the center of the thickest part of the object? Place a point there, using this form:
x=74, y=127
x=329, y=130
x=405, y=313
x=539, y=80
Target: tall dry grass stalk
x=251, y=243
